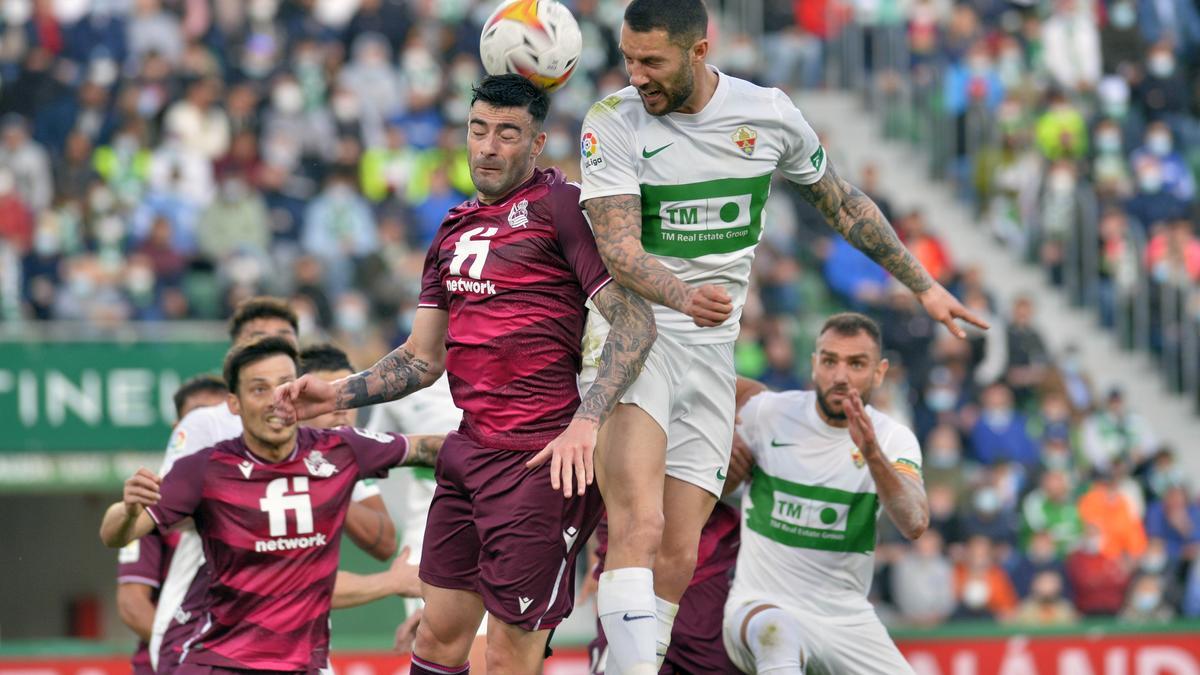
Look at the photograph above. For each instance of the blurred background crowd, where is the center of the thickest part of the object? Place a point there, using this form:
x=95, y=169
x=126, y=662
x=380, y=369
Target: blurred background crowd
x=162, y=159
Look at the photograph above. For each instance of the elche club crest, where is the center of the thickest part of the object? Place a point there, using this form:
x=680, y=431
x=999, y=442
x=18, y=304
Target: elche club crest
x=318, y=465
x=745, y=138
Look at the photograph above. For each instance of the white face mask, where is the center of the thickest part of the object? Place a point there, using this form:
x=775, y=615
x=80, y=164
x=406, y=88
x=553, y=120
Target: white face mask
x=1161, y=65
x=1108, y=141
x=1150, y=181
x=1159, y=143
x=288, y=98
x=1123, y=15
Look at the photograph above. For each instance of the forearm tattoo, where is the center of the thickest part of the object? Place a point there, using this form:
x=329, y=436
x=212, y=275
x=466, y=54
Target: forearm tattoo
x=423, y=450
x=856, y=217
x=617, y=224
x=396, y=375
x=624, y=352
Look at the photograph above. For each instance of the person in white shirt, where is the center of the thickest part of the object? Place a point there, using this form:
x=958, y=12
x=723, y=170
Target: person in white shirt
x=825, y=465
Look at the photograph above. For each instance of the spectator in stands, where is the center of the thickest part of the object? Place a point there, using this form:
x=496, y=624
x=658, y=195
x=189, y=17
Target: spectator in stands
x=1028, y=358
x=1174, y=21
x=1119, y=265
x=172, y=201
x=990, y=516
x=1121, y=42
x=1163, y=92
x=1072, y=47
x=16, y=220
x=339, y=228
x=1177, y=175
x=943, y=458
x=154, y=31
x=1001, y=433
x=1147, y=603
x=28, y=163
x=198, y=122
x=1046, y=605
x=1173, y=254
x=944, y=514
x=1061, y=130
x=167, y=262
x=857, y=279
x=922, y=582
x=1104, y=508
x=1097, y=580
x=235, y=222
x=386, y=170
x=1191, y=597
x=1110, y=170
x=429, y=212
x=1051, y=509
x=1115, y=432
x=927, y=247
x=982, y=587
x=1038, y=556
x=1176, y=521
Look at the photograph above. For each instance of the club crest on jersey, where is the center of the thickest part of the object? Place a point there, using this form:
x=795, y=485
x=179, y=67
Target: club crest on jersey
x=318, y=465
x=859, y=460
x=745, y=138
x=519, y=215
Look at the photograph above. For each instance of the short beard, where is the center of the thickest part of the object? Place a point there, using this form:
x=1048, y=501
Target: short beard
x=681, y=88
x=827, y=409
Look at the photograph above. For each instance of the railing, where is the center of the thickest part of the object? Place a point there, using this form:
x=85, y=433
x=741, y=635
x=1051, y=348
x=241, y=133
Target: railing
x=1159, y=317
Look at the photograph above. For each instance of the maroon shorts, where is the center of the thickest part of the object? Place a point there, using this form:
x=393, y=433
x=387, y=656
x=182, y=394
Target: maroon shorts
x=498, y=529
x=201, y=669
x=696, y=644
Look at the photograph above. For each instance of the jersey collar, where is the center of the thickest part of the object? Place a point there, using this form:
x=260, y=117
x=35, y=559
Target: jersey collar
x=710, y=109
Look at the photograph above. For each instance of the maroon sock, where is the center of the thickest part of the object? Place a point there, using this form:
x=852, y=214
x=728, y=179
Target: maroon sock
x=422, y=667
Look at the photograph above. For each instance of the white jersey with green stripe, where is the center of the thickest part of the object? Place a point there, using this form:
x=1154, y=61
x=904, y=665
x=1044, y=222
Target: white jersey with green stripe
x=809, y=516
x=703, y=178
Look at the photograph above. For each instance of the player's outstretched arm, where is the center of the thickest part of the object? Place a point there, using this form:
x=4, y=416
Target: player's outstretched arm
x=416, y=364
x=371, y=528
x=857, y=218
x=902, y=493
x=629, y=340
x=352, y=590
x=617, y=223
x=135, y=606
x=423, y=449
x=127, y=519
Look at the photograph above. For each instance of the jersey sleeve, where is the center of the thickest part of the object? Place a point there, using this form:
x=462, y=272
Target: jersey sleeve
x=751, y=416
x=140, y=562
x=195, y=432
x=374, y=451
x=904, y=451
x=181, y=491
x=365, y=489
x=432, y=293
x=577, y=241
x=606, y=154
x=803, y=159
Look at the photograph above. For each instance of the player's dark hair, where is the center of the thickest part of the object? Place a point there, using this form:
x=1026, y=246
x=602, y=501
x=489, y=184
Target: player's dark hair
x=685, y=21
x=247, y=353
x=261, y=307
x=200, y=384
x=849, y=324
x=512, y=91
x=323, y=358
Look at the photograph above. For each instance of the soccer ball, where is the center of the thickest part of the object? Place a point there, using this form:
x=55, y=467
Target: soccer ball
x=538, y=39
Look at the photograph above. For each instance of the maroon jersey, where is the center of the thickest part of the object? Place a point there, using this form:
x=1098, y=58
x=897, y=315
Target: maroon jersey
x=514, y=276
x=145, y=561
x=185, y=622
x=271, y=535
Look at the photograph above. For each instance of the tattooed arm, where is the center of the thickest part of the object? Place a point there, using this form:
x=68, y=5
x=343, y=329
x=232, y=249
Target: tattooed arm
x=629, y=339
x=617, y=223
x=856, y=217
x=423, y=449
x=416, y=364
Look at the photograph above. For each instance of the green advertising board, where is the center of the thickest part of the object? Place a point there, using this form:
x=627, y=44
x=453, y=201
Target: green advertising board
x=59, y=399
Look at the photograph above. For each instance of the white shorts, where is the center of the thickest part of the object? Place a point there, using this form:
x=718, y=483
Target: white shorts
x=690, y=391
x=828, y=648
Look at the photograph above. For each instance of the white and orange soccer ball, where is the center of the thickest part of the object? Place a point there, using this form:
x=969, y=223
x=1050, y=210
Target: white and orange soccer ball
x=538, y=39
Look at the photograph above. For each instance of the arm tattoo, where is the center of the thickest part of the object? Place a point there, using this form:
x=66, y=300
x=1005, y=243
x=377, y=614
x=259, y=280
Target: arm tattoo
x=633, y=332
x=903, y=497
x=395, y=376
x=617, y=224
x=856, y=217
x=423, y=449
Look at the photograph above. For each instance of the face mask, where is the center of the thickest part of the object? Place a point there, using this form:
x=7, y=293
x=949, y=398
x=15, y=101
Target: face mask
x=1093, y=544
x=940, y=399
x=1108, y=141
x=987, y=501
x=345, y=108
x=306, y=322
x=351, y=319
x=262, y=10
x=997, y=419
x=140, y=280
x=1161, y=65
x=943, y=458
x=1159, y=144
x=976, y=593
x=102, y=201
x=1150, y=182
x=1154, y=564
x=46, y=242
x=1123, y=15
x=288, y=98
x=1146, y=602
x=1061, y=182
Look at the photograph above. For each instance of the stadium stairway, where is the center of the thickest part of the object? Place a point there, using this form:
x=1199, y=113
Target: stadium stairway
x=854, y=138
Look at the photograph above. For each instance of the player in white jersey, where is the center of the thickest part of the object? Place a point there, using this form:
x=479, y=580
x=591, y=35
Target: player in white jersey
x=367, y=522
x=825, y=466
x=676, y=172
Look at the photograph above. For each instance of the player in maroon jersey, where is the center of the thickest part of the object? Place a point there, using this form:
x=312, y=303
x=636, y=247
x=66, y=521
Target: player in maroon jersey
x=502, y=312
x=269, y=506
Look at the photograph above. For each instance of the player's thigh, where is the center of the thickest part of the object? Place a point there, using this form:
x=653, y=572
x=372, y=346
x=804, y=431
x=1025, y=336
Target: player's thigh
x=787, y=629
x=512, y=650
x=863, y=648
x=449, y=623
x=700, y=435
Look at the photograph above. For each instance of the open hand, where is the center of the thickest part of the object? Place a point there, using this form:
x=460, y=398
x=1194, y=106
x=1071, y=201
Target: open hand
x=406, y=633
x=862, y=431
x=946, y=309
x=709, y=305
x=570, y=455
x=403, y=574
x=306, y=398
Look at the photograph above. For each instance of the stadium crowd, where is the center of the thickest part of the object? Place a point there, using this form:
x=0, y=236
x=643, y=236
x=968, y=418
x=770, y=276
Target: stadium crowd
x=162, y=160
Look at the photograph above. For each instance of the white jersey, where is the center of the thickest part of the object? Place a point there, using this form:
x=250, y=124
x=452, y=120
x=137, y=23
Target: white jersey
x=199, y=429
x=809, y=516
x=704, y=179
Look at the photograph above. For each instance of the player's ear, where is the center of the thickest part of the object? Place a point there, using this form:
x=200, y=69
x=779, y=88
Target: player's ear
x=881, y=371
x=539, y=142
x=235, y=406
x=699, y=51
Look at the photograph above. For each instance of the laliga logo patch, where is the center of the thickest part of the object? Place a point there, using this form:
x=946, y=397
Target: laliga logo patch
x=519, y=215
x=318, y=465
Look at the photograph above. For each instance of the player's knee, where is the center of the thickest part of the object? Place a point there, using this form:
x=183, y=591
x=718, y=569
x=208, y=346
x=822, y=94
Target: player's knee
x=442, y=644
x=775, y=639
x=505, y=657
x=646, y=529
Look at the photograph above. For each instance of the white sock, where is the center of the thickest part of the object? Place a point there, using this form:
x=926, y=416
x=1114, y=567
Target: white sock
x=774, y=637
x=625, y=603
x=666, y=611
